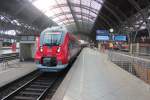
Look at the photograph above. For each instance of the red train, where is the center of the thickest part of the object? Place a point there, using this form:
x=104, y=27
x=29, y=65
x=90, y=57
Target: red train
x=56, y=47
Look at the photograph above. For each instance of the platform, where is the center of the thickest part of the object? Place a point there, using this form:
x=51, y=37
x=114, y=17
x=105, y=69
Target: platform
x=8, y=51
x=15, y=71
x=93, y=77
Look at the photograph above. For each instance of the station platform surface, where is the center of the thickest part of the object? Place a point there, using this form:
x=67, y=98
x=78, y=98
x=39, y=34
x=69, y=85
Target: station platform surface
x=14, y=71
x=94, y=77
x=8, y=51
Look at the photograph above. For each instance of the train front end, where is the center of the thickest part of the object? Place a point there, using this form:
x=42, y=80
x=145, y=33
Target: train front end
x=50, y=55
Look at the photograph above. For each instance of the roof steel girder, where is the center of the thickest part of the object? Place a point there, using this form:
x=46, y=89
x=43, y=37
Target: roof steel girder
x=117, y=10
x=109, y=19
x=89, y=14
x=80, y=6
x=103, y=18
x=110, y=10
x=84, y=21
x=77, y=19
x=74, y=5
x=138, y=8
x=81, y=13
x=138, y=17
x=72, y=14
x=77, y=13
x=85, y=7
x=7, y=19
x=10, y=26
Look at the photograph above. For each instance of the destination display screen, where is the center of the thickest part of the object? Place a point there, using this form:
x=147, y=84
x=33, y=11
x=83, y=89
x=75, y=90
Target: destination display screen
x=120, y=38
x=102, y=38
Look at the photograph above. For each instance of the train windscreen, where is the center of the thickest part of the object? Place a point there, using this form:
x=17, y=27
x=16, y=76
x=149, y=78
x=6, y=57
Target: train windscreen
x=52, y=39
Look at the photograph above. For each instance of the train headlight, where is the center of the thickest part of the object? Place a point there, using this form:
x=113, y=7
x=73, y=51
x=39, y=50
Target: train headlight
x=58, y=50
x=41, y=49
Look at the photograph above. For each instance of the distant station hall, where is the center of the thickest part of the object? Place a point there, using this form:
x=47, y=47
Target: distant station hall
x=74, y=49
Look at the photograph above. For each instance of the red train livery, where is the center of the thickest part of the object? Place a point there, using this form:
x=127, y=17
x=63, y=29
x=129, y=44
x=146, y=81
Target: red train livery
x=56, y=47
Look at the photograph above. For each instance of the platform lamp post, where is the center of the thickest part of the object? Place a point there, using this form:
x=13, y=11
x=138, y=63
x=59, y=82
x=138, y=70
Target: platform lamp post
x=111, y=30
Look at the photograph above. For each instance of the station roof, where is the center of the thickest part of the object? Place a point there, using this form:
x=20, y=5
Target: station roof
x=80, y=14
x=85, y=16
x=123, y=13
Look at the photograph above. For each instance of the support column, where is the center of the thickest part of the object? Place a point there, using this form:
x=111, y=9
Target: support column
x=99, y=46
x=131, y=48
x=0, y=44
x=137, y=48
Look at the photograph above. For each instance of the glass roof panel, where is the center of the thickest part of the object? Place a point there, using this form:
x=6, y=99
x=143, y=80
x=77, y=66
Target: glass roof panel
x=60, y=23
x=58, y=10
x=60, y=1
x=56, y=18
x=77, y=9
x=71, y=20
x=63, y=17
x=69, y=15
x=78, y=16
x=85, y=17
x=66, y=9
x=47, y=7
x=93, y=14
x=95, y=5
x=75, y=1
x=66, y=21
x=81, y=10
x=85, y=11
x=86, y=2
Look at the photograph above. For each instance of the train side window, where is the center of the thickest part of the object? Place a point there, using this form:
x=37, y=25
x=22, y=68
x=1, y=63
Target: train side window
x=75, y=44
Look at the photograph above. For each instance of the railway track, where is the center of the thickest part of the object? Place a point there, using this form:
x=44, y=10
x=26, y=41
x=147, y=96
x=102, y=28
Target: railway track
x=34, y=89
x=41, y=86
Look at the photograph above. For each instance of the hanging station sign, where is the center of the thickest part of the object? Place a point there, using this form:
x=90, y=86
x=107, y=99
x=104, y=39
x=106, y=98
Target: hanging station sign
x=102, y=35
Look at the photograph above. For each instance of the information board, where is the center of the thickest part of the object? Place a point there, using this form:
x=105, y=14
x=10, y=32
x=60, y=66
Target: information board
x=120, y=38
x=102, y=38
x=102, y=35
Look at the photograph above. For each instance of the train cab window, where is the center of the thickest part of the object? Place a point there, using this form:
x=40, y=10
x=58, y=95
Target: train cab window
x=52, y=38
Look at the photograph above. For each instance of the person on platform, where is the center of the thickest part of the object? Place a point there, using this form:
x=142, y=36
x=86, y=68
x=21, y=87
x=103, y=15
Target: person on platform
x=111, y=45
